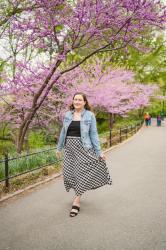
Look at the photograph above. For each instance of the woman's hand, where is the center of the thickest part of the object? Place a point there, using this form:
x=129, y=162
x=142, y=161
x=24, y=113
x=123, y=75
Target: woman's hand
x=102, y=156
x=58, y=155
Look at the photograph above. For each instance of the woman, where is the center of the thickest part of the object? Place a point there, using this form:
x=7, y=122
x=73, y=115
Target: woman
x=84, y=166
x=146, y=118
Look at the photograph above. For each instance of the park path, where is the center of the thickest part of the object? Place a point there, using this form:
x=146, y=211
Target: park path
x=129, y=215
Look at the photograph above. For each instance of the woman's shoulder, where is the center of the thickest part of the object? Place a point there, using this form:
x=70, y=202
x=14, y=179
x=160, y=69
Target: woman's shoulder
x=67, y=113
x=90, y=113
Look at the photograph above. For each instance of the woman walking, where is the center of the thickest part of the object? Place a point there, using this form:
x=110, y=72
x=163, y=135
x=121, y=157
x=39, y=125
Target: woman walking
x=84, y=166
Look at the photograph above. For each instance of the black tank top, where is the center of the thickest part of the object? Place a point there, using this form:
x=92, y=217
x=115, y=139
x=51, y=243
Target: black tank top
x=74, y=129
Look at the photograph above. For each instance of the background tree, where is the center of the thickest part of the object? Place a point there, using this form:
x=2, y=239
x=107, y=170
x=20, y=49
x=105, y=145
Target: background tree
x=72, y=27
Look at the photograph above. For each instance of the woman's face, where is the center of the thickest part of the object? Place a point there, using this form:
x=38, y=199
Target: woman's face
x=78, y=102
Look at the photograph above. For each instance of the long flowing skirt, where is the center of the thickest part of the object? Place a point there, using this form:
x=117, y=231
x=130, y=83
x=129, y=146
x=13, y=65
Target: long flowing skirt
x=82, y=169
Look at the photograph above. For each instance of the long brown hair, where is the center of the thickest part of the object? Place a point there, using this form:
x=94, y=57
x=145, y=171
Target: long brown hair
x=87, y=106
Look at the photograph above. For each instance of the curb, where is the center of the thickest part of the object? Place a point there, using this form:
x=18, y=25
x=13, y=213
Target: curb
x=59, y=174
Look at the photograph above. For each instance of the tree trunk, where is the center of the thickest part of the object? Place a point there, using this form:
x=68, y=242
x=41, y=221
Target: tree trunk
x=35, y=106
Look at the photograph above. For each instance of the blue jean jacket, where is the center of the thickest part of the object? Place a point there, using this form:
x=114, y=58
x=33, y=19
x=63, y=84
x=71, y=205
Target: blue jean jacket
x=88, y=129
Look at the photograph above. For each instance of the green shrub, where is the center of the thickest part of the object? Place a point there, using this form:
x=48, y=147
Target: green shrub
x=36, y=139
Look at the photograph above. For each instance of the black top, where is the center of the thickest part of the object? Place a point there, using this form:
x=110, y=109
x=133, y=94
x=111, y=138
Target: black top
x=74, y=129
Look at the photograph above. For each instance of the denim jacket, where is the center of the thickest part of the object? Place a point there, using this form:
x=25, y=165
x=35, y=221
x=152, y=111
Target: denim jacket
x=88, y=129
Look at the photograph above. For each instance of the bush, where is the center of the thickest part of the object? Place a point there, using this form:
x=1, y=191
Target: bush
x=36, y=139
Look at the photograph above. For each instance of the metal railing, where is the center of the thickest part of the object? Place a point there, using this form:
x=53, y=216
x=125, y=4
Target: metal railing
x=16, y=164
x=9, y=167
x=118, y=135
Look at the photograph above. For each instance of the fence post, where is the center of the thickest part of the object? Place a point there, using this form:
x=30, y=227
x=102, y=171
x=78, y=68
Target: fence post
x=135, y=128
x=126, y=132
x=110, y=137
x=120, y=135
x=6, y=171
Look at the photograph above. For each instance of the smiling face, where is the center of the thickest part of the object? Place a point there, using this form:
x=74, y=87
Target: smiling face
x=78, y=102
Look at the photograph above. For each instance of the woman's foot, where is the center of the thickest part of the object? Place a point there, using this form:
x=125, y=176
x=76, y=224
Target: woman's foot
x=75, y=207
x=74, y=211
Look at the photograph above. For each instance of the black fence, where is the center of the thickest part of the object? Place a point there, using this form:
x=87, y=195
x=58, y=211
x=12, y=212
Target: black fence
x=117, y=136
x=16, y=166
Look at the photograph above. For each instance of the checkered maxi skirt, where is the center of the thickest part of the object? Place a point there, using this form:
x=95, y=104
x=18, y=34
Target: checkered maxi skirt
x=82, y=169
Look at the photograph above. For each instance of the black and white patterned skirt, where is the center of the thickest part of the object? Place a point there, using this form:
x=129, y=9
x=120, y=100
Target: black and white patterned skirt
x=82, y=168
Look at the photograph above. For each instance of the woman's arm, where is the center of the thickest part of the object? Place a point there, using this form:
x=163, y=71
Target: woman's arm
x=61, y=139
x=94, y=136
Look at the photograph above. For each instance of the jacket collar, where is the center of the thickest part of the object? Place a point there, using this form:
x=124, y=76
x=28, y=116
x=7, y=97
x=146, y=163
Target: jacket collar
x=82, y=113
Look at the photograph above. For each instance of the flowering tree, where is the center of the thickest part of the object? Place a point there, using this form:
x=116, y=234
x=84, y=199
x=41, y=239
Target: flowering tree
x=73, y=32
x=113, y=91
x=16, y=97
x=109, y=90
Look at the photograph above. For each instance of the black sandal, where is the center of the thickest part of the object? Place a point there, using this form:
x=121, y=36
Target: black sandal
x=72, y=213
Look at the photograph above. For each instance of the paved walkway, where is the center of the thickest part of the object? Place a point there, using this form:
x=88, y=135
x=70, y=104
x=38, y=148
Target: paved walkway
x=129, y=215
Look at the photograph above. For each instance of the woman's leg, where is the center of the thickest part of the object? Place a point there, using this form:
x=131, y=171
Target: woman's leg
x=77, y=200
